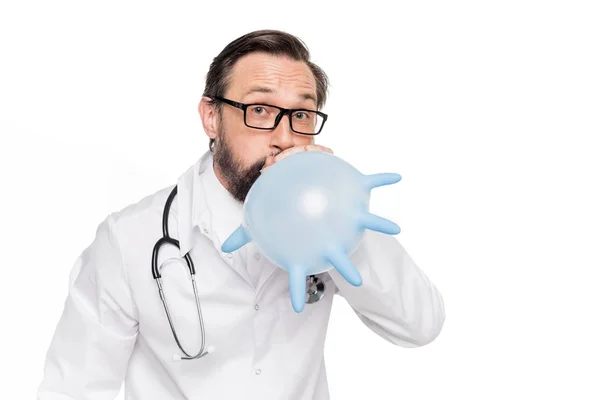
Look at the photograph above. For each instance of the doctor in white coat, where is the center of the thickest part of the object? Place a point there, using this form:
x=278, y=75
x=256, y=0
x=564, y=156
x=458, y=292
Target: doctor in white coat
x=114, y=328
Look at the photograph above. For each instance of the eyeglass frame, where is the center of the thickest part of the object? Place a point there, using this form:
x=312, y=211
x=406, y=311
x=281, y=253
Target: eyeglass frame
x=278, y=118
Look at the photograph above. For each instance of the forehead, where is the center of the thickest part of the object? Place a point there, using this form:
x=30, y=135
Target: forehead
x=261, y=72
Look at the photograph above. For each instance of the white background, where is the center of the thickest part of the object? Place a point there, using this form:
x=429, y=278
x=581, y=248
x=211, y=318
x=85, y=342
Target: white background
x=489, y=111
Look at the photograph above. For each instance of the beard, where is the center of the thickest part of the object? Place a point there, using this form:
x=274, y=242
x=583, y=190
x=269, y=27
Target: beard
x=239, y=179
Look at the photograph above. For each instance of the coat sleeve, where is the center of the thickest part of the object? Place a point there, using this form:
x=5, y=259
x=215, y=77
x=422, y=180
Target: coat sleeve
x=96, y=333
x=396, y=300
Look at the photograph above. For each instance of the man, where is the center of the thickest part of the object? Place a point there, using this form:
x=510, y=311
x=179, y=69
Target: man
x=114, y=327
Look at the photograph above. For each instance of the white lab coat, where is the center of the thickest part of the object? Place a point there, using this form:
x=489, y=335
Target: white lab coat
x=114, y=328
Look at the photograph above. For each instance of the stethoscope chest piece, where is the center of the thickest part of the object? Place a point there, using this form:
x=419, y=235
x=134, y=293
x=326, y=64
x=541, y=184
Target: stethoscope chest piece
x=315, y=289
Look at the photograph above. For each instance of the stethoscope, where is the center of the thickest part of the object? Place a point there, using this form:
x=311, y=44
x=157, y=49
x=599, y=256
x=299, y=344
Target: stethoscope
x=315, y=287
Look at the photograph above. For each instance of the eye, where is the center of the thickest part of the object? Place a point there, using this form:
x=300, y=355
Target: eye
x=258, y=110
x=300, y=115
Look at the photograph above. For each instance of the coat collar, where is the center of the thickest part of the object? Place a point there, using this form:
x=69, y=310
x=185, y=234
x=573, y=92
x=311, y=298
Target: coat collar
x=194, y=212
x=191, y=203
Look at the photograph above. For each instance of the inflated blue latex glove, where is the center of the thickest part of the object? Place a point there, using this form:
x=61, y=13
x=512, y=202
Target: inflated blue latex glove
x=307, y=213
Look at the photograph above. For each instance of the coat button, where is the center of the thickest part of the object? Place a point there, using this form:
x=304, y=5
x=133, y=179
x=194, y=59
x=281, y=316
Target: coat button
x=256, y=256
x=205, y=230
x=257, y=371
x=229, y=255
x=256, y=307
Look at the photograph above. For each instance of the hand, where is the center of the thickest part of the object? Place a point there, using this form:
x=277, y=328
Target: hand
x=296, y=149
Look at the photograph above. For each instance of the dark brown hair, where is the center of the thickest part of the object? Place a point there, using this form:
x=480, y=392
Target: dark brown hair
x=272, y=42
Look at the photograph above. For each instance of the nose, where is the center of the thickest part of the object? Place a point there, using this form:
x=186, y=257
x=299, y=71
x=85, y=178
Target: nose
x=283, y=136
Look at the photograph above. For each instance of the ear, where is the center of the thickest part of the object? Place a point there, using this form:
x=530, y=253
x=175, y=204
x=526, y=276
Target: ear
x=209, y=117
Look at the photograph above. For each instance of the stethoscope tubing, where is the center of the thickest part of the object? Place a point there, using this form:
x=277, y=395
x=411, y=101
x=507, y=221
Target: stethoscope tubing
x=314, y=294
x=166, y=239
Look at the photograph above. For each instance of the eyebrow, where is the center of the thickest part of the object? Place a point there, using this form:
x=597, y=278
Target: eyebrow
x=263, y=89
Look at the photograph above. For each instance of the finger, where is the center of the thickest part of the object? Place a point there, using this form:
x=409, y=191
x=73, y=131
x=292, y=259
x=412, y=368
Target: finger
x=298, y=149
x=268, y=162
x=327, y=149
x=287, y=152
x=318, y=147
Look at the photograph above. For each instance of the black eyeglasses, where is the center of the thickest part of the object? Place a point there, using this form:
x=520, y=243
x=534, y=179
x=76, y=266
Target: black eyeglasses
x=267, y=117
